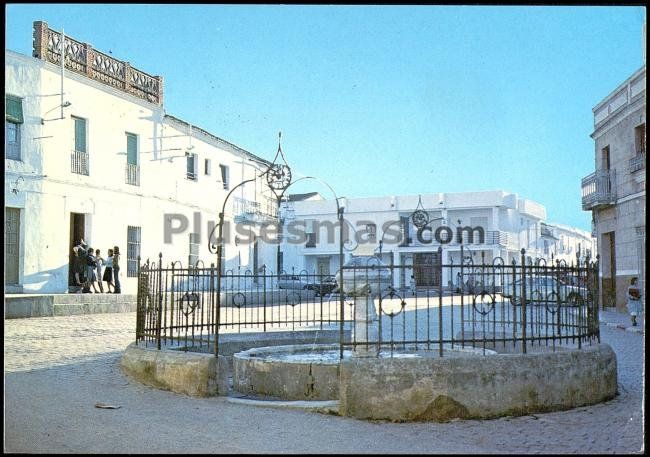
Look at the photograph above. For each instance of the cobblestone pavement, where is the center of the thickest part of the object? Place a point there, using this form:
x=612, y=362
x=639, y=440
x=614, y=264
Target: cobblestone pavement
x=57, y=368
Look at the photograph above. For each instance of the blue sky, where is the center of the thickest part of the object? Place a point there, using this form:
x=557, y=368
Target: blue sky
x=381, y=100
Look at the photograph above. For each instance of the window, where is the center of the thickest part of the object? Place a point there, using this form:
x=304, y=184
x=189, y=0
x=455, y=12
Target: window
x=131, y=149
x=639, y=139
x=13, y=119
x=132, y=168
x=224, y=176
x=405, y=231
x=79, y=134
x=207, y=169
x=191, y=167
x=371, y=229
x=80, y=161
x=605, y=158
x=311, y=234
x=311, y=240
x=132, y=250
x=194, y=249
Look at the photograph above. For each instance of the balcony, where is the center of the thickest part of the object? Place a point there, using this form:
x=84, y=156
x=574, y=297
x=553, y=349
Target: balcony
x=491, y=237
x=254, y=212
x=637, y=162
x=132, y=174
x=598, y=189
x=79, y=163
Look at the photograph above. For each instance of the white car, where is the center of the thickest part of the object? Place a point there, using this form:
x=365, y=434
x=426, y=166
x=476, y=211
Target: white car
x=544, y=289
x=292, y=282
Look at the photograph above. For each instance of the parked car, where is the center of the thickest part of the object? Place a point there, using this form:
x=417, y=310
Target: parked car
x=292, y=282
x=324, y=287
x=543, y=289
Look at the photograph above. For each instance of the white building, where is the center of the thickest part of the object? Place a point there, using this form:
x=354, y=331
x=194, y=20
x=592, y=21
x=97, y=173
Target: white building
x=568, y=244
x=105, y=163
x=508, y=224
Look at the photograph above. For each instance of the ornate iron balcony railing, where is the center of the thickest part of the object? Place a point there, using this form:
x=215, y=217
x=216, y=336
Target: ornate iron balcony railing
x=132, y=174
x=598, y=188
x=79, y=162
x=637, y=162
x=245, y=210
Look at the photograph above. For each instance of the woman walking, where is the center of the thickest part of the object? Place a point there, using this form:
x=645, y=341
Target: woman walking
x=116, y=269
x=108, y=272
x=100, y=262
x=634, y=300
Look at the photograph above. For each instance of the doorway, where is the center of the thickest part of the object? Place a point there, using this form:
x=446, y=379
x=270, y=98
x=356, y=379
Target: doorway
x=424, y=270
x=323, y=266
x=77, y=232
x=609, y=269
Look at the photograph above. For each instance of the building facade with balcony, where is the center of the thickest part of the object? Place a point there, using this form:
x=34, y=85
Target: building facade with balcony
x=569, y=244
x=507, y=224
x=615, y=191
x=105, y=163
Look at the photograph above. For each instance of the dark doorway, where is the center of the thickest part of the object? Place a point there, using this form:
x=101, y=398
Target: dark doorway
x=609, y=269
x=77, y=232
x=424, y=269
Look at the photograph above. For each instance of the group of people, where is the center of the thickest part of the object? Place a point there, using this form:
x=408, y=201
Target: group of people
x=91, y=270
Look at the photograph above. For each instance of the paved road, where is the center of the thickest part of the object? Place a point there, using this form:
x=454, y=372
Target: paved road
x=57, y=368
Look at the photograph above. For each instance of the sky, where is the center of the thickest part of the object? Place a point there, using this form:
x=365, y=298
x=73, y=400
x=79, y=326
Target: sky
x=381, y=100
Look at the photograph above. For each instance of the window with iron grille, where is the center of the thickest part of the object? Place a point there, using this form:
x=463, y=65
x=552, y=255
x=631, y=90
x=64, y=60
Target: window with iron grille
x=13, y=120
x=132, y=167
x=132, y=250
x=371, y=229
x=79, y=164
x=191, y=167
x=224, y=176
x=194, y=249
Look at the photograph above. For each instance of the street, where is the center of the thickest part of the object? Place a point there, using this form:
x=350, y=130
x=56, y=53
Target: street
x=58, y=368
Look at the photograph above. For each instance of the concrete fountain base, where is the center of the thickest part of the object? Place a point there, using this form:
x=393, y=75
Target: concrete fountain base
x=441, y=389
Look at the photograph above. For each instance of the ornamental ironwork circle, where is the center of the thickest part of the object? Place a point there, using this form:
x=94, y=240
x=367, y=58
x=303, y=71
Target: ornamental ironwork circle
x=483, y=306
x=395, y=298
x=420, y=218
x=239, y=300
x=279, y=177
x=189, y=302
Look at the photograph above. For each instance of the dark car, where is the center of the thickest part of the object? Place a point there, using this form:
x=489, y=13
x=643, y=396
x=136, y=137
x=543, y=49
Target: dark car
x=324, y=287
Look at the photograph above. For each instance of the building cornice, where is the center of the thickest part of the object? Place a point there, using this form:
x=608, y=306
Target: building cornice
x=210, y=138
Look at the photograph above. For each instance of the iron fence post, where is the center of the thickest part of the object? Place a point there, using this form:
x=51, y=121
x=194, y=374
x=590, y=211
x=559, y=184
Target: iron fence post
x=219, y=268
x=159, y=317
x=214, y=327
x=440, y=338
x=138, y=318
x=264, y=287
x=595, y=272
x=523, y=300
x=341, y=302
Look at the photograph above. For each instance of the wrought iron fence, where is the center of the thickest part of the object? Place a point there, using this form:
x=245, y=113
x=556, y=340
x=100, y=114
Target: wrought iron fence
x=514, y=306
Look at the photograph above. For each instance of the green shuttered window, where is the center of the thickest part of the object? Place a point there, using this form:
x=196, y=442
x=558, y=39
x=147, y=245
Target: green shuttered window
x=14, y=109
x=79, y=134
x=131, y=149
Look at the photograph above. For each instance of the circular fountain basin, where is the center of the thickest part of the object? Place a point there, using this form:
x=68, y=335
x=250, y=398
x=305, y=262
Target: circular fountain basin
x=311, y=371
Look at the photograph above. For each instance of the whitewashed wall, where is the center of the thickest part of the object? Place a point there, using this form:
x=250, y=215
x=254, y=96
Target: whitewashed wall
x=49, y=191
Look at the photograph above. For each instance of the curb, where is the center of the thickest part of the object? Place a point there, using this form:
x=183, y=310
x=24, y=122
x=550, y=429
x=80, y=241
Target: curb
x=325, y=406
x=623, y=327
